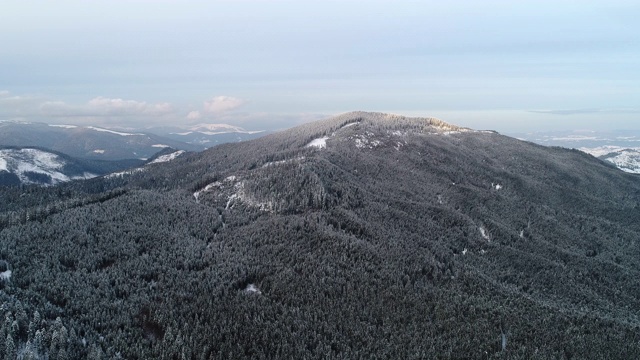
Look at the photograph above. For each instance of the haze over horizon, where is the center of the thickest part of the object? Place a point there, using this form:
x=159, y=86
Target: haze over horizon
x=270, y=64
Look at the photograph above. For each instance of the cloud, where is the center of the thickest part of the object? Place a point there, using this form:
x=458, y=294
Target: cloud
x=4, y=93
x=108, y=106
x=221, y=104
x=106, y=111
x=194, y=115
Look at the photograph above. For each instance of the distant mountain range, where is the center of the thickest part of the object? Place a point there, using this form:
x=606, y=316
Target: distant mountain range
x=92, y=142
x=88, y=142
x=619, y=147
x=207, y=135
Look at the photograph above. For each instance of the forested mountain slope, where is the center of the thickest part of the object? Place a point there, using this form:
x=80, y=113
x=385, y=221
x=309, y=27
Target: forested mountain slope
x=361, y=236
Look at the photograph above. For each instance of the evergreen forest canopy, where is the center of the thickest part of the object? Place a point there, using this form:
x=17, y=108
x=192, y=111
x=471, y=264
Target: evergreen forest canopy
x=364, y=236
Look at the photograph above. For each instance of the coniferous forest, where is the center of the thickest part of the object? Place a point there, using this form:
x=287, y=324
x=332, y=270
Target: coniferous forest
x=364, y=236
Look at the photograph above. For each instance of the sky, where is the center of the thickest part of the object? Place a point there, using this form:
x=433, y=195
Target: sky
x=509, y=66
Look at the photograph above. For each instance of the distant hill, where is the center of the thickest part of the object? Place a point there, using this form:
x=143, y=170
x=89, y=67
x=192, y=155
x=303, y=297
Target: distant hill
x=87, y=142
x=362, y=236
x=621, y=148
x=207, y=135
x=39, y=166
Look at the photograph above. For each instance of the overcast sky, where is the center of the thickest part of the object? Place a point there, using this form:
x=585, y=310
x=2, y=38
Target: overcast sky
x=504, y=65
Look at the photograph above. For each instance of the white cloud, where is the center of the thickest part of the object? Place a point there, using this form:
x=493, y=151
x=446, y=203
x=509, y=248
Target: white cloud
x=194, y=115
x=4, y=93
x=108, y=106
x=220, y=104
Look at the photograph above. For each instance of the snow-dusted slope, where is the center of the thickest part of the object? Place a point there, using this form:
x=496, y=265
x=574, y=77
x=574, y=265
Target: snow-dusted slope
x=35, y=166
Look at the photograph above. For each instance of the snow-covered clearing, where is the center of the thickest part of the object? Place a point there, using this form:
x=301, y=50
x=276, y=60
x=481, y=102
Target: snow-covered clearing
x=167, y=157
x=320, y=143
x=252, y=289
x=350, y=124
x=484, y=233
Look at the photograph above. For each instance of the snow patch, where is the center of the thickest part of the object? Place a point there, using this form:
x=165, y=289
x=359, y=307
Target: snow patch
x=349, y=124
x=112, y=131
x=3, y=164
x=484, y=233
x=160, y=146
x=464, y=252
x=168, y=157
x=320, y=143
x=98, y=151
x=496, y=186
x=252, y=289
x=64, y=126
x=5, y=275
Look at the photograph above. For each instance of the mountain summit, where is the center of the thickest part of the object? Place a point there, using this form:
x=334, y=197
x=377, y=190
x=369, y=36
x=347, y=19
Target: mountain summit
x=365, y=235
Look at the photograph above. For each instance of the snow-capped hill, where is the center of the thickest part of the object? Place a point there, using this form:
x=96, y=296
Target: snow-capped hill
x=167, y=157
x=35, y=166
x=626, y=159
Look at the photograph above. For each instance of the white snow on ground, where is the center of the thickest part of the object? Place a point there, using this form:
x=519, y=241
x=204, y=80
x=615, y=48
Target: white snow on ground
x=37, y=161
x=160, y=146
x=221, y=191
x=350, y=124
x=496, y=186
x=64, y=126
x=168, y=157
x=112, y=131
x=183, y=133
x=5, y=275
x=217, y=185
x=320, y=143
x=98, y=151
x=484, y=233
x=628, y=161
x=252, y=289
x=366, y=142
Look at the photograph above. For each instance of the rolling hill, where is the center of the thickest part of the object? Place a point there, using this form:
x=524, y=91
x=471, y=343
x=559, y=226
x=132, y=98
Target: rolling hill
x=87, y=142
